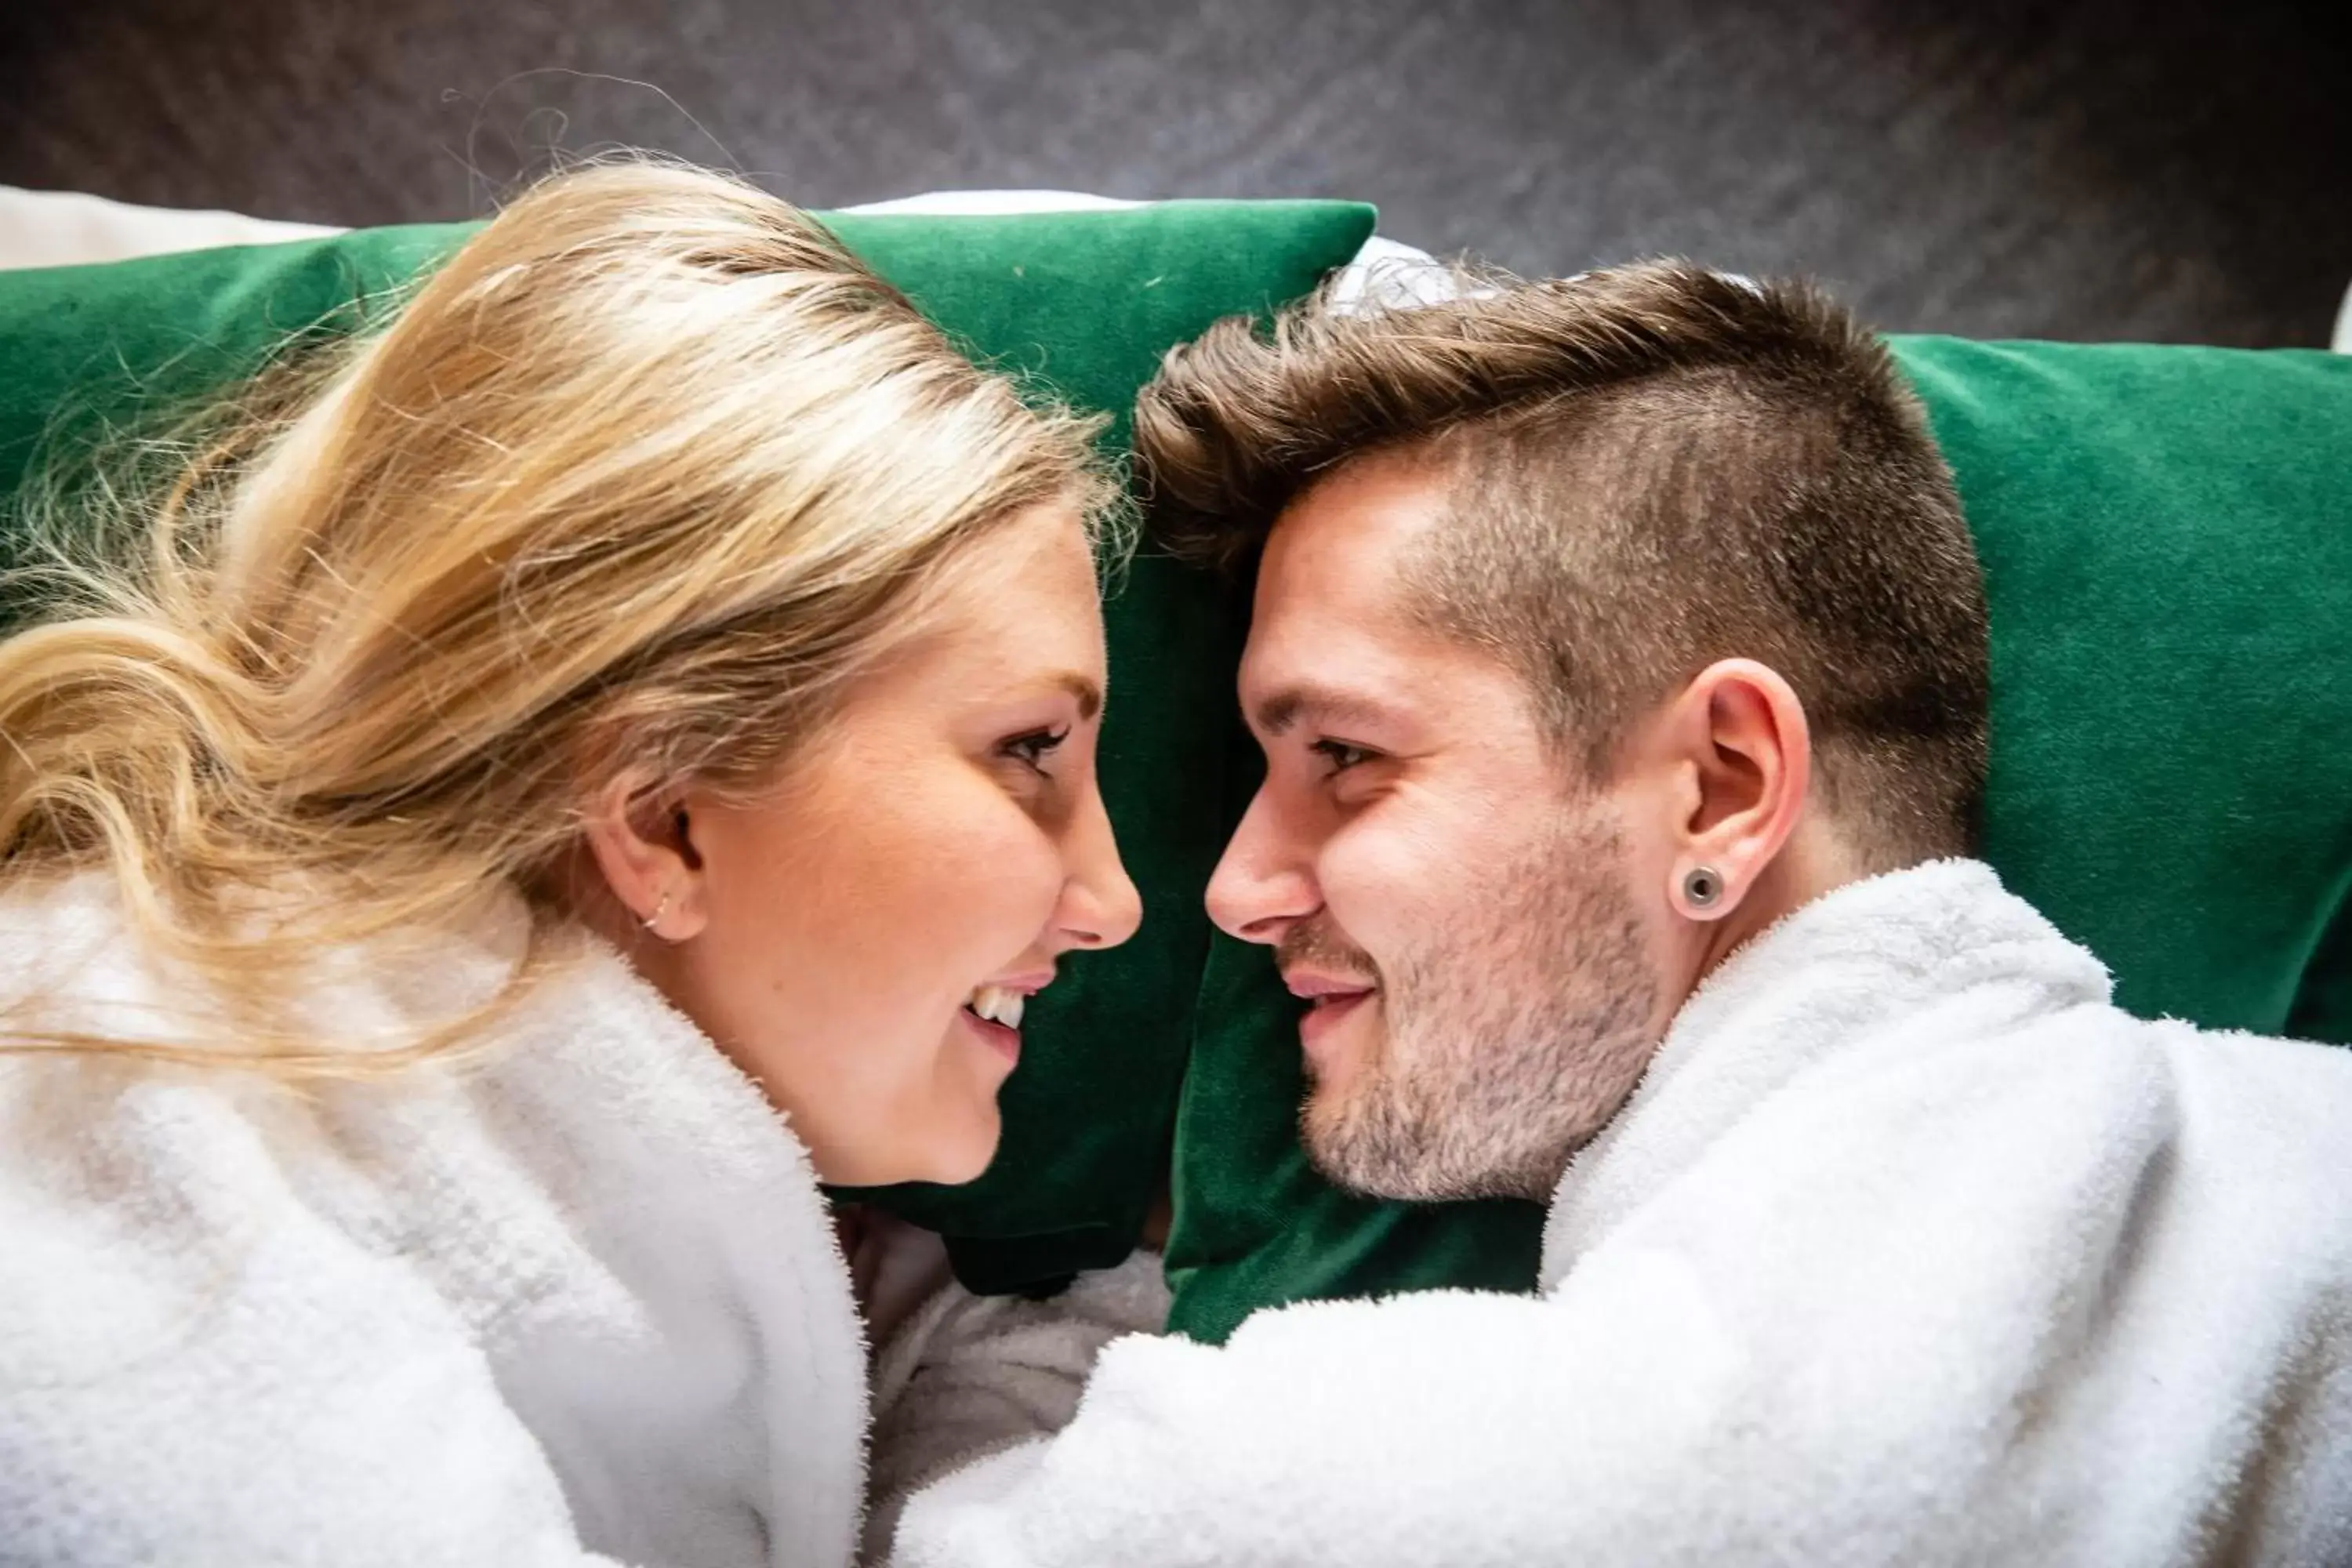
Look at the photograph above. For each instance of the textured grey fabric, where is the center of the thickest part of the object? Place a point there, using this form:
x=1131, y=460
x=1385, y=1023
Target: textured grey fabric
x=2096, y=170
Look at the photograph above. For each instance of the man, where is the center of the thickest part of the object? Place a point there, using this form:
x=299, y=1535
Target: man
x=1619, y=656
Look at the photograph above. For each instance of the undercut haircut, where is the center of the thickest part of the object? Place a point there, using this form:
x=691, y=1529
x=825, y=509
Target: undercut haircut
x=1649, y=469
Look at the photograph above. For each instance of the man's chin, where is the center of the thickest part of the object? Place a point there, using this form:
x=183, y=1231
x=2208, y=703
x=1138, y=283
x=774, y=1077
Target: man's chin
x=1378, y=1151
x=1356, y=1154
x=1385, y=1183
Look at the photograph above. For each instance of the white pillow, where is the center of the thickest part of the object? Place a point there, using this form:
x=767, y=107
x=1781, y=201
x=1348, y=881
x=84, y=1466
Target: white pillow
x=61, y=228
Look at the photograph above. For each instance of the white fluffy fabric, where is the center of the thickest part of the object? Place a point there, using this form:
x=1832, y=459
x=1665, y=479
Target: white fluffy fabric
x=1910, y=1247
x=579, y=1302
x=966, y=1375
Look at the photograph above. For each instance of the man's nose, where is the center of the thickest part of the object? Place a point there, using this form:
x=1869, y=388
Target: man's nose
x=1262, y=884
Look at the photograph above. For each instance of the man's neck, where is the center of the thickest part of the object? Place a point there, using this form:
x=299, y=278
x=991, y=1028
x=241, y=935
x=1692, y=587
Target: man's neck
x=1814, y=862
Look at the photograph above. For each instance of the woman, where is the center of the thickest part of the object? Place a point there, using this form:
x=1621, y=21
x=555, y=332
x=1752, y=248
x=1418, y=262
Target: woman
x=620, y=755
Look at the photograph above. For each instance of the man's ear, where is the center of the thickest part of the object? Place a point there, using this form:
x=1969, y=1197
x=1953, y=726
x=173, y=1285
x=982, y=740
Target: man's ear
x=644, y=845
x=1743, y=763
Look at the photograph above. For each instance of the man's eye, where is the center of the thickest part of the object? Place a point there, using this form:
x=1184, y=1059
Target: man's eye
x=1341, y=755
x=1033, y=748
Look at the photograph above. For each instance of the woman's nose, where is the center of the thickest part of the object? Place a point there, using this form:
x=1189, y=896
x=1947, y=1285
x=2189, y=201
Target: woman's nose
x=1103, y=907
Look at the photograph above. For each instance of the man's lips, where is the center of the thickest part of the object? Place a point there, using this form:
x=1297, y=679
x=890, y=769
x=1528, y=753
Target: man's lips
x=1327, y=1013
x=1329, y=998
x=1312, y=985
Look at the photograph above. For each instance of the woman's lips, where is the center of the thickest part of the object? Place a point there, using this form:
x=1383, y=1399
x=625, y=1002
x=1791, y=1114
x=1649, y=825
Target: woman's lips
x=993, y=1035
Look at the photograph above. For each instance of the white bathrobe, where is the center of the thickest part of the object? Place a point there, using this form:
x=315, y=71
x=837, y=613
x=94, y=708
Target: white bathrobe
x=1909, y=1249
x=581, y=1301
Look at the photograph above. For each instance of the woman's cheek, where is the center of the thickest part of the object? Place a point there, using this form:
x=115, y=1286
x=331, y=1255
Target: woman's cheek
x=1013, y=872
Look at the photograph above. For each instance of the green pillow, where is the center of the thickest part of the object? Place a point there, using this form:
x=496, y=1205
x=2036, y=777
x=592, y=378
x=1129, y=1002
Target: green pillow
x=1085, y=303
x=2167, y=538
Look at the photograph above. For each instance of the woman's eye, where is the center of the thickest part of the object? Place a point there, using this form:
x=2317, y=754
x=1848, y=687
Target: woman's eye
x=1341, y=755
x=1033, y=749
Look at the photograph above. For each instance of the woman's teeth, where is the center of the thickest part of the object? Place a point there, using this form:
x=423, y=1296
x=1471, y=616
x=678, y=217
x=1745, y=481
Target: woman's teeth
x=998, y=1005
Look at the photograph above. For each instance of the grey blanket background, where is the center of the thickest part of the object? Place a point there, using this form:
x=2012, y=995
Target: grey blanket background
x=2097, y=169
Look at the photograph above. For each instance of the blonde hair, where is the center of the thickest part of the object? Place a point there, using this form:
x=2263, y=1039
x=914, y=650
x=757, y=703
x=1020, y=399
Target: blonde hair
x=636, y=482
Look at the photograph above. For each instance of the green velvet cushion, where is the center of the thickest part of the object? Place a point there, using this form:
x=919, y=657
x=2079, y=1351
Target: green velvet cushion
x=2167, y=538
x=1085, y=303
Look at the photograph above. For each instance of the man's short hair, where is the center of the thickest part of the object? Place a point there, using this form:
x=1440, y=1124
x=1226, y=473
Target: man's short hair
x=1652, y=468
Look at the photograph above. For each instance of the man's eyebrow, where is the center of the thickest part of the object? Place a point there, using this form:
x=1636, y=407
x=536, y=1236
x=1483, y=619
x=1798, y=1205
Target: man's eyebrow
x=1277, y=714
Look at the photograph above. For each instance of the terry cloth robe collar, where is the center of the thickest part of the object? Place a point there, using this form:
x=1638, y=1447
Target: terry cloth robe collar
x=1912, y=1248
x=597, y=1209
x=1851, y=962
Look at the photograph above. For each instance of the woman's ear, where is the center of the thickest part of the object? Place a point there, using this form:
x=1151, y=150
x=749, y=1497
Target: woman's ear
x=1745, y=761
x=643, y=842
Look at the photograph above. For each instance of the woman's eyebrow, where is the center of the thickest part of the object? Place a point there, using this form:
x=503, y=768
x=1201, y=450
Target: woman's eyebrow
x=1083, y=688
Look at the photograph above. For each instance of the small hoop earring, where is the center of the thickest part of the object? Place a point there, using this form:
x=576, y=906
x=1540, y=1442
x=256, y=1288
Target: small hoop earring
x=653, y=918
x=1702, y=887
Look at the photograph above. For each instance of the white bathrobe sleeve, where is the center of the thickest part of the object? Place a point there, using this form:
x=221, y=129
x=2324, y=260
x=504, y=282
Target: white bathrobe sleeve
x=965, y=1376
x=195, y=1369
x=1936, y=1312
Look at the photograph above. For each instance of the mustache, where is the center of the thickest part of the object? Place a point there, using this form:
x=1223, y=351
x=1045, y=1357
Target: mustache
x=1315, y=943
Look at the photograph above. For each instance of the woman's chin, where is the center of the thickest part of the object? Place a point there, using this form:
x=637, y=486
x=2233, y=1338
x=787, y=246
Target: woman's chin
x=942, y=1129
x=966, y=1156
x=957, y=1174
x=949, y=1153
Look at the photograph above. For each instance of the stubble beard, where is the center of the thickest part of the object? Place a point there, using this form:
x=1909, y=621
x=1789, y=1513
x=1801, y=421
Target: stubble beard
x=1504, y=1050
